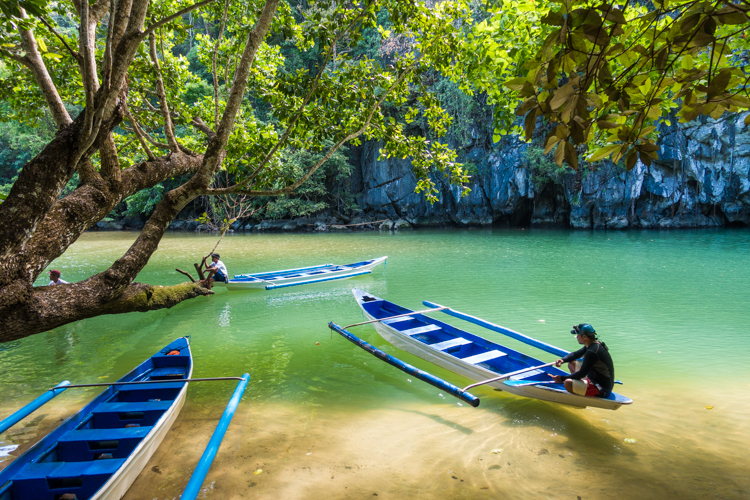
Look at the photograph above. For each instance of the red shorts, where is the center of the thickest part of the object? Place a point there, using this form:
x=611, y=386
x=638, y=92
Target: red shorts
x=584, y=387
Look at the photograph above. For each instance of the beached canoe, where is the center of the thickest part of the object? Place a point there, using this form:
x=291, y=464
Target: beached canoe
x=98, y=452
x=472, y=356
x=300, y=276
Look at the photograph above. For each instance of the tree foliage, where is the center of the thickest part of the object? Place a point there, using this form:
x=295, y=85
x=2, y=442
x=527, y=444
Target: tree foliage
x=604, y=74
x=131, y=112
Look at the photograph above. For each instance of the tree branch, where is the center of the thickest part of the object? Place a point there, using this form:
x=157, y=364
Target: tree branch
x=174, y=16
x=33, y=60
x=216, y=52
x=52, y=30
x=168, y=129
x=138, y=133
x=49, y=307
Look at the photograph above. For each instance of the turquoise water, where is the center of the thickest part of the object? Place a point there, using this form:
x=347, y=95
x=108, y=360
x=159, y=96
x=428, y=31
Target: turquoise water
x=322, y=418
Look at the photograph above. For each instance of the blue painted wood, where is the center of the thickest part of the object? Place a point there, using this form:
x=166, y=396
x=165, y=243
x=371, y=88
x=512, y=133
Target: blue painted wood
x=13, y=419
x=499, y=329
x=456, y=356
x=318, y=280
x=83, y=453
x=290, y=273
x=405, y=367
x=204, y=464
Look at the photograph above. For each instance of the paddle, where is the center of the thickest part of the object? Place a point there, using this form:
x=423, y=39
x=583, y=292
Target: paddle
x=508, y=375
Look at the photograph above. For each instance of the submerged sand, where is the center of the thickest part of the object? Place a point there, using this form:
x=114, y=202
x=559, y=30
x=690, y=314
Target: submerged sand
x=507, y=448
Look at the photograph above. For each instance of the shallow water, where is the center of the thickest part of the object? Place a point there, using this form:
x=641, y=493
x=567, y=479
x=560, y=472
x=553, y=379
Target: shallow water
x=331, y=421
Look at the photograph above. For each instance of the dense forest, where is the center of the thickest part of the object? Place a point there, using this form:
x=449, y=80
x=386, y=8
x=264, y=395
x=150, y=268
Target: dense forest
x=589, y=114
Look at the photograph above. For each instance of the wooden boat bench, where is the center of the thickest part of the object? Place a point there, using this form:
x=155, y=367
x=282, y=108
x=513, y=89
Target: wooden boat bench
x=458, y=341
x=397, y=320
x=421, y=329
x=87, y=445
x=50, y=480
x=168, y=372
x=119, y=414
x=483, y=357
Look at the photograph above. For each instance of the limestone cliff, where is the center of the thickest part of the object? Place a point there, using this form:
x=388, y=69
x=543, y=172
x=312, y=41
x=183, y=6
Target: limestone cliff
x=701, y=180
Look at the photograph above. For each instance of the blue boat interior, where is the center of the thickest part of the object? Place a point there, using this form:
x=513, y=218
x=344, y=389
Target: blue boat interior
x=75, y=460
x=463, y=345
x=307, y=272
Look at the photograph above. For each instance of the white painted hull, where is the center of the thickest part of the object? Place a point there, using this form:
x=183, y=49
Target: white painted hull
x=120, y=482
x=261, y=285
x=478, y=373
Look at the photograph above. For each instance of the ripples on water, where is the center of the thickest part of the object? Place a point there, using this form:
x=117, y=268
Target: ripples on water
x=329, y=420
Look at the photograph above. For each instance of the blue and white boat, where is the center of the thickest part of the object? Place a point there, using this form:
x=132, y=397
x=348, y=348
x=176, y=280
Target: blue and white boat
x=472, y=356
x=300, y=276
x=98, y=452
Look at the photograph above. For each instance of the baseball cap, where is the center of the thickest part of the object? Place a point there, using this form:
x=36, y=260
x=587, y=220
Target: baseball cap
x=584, y=329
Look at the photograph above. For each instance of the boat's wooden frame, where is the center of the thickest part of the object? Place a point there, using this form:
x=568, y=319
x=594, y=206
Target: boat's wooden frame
x=119, y=483
x=519, y=386
x=301, y=275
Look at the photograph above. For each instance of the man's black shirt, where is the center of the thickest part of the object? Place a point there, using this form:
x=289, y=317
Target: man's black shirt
x=597, y=366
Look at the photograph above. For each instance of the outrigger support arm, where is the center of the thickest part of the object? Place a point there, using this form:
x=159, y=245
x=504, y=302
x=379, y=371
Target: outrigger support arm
x=396, y=316
x=167, y=381
x=407, y=368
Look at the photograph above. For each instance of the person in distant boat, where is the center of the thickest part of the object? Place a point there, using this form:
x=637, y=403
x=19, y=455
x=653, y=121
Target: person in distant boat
x=595, y=376
x=216, y=271
x=54, y=277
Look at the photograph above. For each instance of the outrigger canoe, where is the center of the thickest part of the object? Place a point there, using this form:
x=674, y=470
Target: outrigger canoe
x=472, y=356
x=98, y=452
x=300, y=276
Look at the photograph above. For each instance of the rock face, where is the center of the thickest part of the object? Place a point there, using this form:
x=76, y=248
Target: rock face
x=702, y=179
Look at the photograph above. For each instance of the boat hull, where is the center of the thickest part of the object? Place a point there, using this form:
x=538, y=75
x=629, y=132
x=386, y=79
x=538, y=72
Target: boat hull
x=325, y=272
x=553, y=393
x=98, y=452
x=119, y=484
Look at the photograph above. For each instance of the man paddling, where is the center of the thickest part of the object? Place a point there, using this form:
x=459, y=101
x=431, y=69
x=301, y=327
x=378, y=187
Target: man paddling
x=596, y=375
x=217, y=271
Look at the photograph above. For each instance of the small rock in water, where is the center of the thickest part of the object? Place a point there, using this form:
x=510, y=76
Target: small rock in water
x=543, y=451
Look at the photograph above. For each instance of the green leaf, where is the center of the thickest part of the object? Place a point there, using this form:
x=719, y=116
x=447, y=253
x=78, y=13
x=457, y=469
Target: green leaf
x=604, y=152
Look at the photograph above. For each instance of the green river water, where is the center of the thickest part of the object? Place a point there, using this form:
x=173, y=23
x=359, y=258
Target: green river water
x=321, y=418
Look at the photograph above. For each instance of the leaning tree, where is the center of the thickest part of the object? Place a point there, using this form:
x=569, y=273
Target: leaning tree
x=107, y=74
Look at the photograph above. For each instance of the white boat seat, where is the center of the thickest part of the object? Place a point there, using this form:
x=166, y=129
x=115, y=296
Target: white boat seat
x=420, y=329
x=396, y=320
x=522, y=376
x=441, y=346
x=485, y=356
